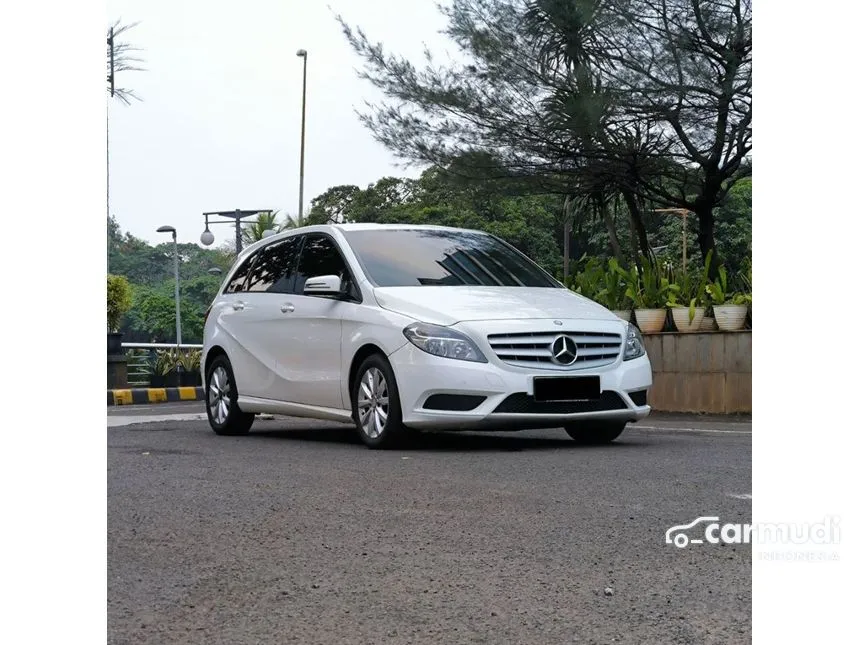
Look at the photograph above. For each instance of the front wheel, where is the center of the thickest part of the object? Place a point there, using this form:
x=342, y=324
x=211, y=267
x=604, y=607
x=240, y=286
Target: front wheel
x=222, y=408
x=376, y=404
x=595, y=433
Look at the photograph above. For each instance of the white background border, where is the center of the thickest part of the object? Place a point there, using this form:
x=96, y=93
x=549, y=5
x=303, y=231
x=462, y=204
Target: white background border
x=805, y=385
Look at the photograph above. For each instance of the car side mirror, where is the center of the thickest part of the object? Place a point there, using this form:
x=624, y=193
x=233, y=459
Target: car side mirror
x=324, y=285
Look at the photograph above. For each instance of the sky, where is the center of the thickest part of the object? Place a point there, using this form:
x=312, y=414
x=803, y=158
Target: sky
x=219, y=124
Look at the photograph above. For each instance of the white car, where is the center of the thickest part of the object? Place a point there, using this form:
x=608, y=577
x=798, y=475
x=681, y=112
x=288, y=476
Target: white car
x=397, y=327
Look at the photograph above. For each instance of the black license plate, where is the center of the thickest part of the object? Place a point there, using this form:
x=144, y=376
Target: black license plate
x=566, y=388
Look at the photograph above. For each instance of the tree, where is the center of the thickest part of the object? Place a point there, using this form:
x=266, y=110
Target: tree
x=265, y=221
x=118, y=300
x=333, y=206
x=648, y=101
x=121, y=57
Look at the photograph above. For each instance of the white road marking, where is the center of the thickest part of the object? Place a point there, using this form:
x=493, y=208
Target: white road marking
x=741, y=495
x=637, y=426
x=115, y=421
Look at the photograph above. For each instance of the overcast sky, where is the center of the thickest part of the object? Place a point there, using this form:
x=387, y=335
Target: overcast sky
x=219, y=124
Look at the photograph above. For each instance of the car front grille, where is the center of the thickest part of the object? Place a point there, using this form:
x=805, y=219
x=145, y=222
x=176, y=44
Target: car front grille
x=522, y=403
x=533, y=349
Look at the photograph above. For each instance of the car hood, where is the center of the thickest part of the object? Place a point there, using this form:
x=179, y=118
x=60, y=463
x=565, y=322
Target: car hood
x=450, y=305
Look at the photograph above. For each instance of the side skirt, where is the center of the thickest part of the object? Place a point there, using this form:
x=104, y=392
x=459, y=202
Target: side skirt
x=269, y=406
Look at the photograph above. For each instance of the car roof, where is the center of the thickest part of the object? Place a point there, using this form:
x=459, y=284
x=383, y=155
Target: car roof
x=324, y=228
x=388, y=227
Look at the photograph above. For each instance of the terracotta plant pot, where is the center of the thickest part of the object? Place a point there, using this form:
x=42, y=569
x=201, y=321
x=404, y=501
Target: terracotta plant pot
x=730, y=317
x=624, y=314
x=650, y=321
x=708, y=324
x=681, y=318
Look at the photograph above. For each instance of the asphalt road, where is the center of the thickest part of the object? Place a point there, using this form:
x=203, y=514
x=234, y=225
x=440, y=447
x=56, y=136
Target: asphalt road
x=298, y=534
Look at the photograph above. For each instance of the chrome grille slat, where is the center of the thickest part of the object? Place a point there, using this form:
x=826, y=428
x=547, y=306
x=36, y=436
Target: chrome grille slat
x=532, y=349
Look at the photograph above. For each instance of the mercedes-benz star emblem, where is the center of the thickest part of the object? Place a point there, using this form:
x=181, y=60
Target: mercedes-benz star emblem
x=563, y=350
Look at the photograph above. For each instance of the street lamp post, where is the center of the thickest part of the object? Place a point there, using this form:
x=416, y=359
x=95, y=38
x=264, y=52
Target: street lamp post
x=207, y=238
x=683, y=212
x=171, y=230
x=303, y=54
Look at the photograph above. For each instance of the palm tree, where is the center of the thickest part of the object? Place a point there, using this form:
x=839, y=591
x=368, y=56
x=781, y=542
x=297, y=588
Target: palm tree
x=265, y=221
x=292, y=222
x=121, y=57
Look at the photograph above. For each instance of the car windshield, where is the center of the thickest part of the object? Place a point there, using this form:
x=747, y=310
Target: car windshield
x=425, y=257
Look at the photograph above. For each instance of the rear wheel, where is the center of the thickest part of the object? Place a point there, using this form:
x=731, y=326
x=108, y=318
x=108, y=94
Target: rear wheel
x=222, y=408
x=376, y=404
x=595, y=433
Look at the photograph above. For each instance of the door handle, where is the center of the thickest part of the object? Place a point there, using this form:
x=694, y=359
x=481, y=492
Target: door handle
x=238, y=306
x=287, y=308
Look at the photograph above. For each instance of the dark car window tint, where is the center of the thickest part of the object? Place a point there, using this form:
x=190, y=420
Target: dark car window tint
x=320, y=257
x=237, y=282
x=275, y=268
x=419, y=257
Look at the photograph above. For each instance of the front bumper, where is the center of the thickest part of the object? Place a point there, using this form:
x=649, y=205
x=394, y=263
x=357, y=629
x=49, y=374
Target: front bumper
x=505, y=393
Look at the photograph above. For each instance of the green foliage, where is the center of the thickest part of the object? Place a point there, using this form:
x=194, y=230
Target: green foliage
x=645, y=102
x=720, y=289
x=605, y=282
x=189, y=360
x=613, y=292
x=253, y=232
x=648, y=287
x=165, y=361
x=589, y=279
x=691, y=288
x=149, y=270
x=118, y=300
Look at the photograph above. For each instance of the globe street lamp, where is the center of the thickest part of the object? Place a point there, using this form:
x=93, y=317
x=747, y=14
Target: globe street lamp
x=171, y=230
x=303, y=54
x=207, y=238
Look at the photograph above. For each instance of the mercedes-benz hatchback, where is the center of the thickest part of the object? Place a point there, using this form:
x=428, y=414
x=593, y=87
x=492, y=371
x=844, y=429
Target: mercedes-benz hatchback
x=396, y=327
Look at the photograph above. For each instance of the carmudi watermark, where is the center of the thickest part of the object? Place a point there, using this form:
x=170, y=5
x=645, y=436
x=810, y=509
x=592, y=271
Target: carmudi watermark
x=709, y=530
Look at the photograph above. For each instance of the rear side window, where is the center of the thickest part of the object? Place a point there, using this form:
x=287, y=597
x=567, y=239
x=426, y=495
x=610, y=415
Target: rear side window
x=274, y=269
x=237, y=282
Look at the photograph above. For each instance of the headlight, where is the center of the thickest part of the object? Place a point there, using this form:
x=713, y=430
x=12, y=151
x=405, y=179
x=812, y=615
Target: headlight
x=443, y=341
x=634, y=347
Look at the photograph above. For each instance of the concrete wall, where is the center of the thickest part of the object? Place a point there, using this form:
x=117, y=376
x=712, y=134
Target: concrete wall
x=706, y=372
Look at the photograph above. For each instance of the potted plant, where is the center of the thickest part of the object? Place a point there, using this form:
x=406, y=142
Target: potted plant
x=164, y=373
x=746, y=278
x=189, y=361
x=118, y=303
x=613, y=294
x=688, y=300
x=730, y=310
x=708, y=322
x=586, y=282
x=649, y=290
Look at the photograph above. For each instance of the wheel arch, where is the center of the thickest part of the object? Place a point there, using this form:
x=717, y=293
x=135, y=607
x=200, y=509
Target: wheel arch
x=214, y=352
x=368, y=349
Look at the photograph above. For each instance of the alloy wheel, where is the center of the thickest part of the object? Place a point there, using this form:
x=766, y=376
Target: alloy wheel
x=373, y=402
x=219, y=395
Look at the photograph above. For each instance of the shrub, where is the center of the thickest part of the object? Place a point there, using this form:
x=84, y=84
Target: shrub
x=118, y=300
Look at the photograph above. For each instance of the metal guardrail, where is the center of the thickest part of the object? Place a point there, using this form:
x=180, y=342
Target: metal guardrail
x=160, y=346
x=141, y=357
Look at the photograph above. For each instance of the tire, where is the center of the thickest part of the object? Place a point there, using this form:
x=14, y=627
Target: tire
x=376, y=404
x=222, y=407
x=595, y=434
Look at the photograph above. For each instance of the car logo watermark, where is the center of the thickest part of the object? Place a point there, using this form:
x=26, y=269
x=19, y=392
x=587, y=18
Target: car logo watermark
x=709, y=530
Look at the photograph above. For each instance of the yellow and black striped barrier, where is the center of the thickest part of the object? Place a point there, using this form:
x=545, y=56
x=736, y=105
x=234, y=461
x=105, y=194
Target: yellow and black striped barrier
x=137, y=396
